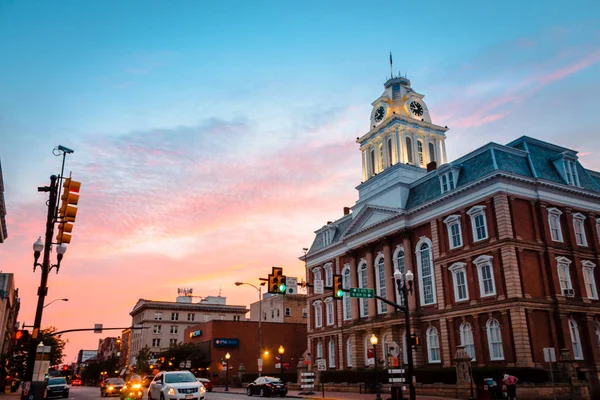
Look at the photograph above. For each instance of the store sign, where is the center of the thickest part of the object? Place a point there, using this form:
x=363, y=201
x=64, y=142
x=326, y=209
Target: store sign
x=196, y=333
x=226, y=342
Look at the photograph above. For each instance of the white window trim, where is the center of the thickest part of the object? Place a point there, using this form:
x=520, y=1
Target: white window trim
x=331, y=353
x=598, y=227
x=597, y=331
x=346, y=300
x=362, y=302
x=317, y=305
x=579, y=218
x=480, y=262
x=489, y=338
x=464, y=327
x=450, y=184
x=588, y=268
x=457, y=268
x=328, y=305
x=450, y=222
x=349, y=353
x=555, y=212
x=575, y=339
x=429, y=333
x=420, y=268
x=381, y=306
x=399, y=249
x=474, y=212
x=560, y=261
x=328, y=269
x=570, y=169
x=319, y=352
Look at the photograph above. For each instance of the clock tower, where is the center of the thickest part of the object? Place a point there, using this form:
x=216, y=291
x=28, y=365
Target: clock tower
x=402, y=143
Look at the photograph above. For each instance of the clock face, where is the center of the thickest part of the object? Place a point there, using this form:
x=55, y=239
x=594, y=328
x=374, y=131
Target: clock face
x=416, y=108
x=379, y=114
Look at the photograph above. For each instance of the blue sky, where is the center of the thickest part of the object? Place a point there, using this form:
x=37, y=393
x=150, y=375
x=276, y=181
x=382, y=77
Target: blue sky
x=197, y=125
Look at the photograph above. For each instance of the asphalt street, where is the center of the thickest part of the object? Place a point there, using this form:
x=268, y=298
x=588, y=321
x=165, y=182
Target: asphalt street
x=85, y=392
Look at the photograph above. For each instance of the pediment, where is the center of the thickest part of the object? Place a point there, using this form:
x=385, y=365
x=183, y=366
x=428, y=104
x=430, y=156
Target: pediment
x=370, y=216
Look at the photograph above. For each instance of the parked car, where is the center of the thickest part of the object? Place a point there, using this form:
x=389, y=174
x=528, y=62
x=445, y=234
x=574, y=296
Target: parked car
x=176, y=385
x=266, y=386
x=112, y=387
x=207, y=384
x=76, y=382
x=57, y=387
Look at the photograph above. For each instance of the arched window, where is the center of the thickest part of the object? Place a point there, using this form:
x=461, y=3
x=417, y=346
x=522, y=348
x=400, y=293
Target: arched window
x=362, y=283
x=319, y=349
x=433, y=345
x=349, y=353
x=367, y=346
x=328, y=274
x=331, y=353
x=347, y=299
x=494, y=336
x=409, y=150
x=399, y=265
x=380, y=279
x=575, y=340
x=372, y=161
x=389, y=151
x=318, y=314
x=317, y=274
x=431, y=152
x=426, y=276
x=381, y=157
x=466, y=339
x=597, y=335
x=420, y=152
x=330, y=317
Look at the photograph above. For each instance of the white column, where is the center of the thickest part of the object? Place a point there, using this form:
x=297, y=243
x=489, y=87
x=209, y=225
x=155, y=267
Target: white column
x=398, y=147
x=415, y=150
x=443, y=144
x=365, y=174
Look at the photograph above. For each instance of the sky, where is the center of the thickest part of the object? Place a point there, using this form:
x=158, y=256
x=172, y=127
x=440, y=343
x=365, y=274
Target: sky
x=213, y=138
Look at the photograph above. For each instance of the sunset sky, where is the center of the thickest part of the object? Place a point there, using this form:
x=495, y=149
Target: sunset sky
x=213, y=138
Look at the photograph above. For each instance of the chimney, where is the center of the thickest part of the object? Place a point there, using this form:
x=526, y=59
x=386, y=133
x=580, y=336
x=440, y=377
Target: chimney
x=328, y=222
x=346, y=210
x=432, y=166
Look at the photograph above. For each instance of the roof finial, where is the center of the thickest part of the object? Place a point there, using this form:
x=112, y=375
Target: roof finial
x=391, y=70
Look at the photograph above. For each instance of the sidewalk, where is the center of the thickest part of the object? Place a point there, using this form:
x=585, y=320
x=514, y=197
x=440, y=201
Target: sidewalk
x=328, y=395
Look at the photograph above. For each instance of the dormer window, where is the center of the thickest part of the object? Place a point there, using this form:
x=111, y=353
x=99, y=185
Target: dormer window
x=571, y=172
x=448, y=178
x=566, y=164
x=579, y=227
x=454, y=231
x=328, y=236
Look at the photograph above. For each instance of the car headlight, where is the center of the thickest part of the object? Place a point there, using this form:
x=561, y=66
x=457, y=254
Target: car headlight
x=136, y=385
x=171, y=391
x=202, y=389
x=110, y=388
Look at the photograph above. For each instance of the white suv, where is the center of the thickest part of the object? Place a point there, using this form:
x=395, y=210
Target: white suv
x=175, y=385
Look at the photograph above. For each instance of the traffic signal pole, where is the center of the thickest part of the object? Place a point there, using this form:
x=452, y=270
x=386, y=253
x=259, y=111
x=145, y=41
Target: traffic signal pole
x=45, y=267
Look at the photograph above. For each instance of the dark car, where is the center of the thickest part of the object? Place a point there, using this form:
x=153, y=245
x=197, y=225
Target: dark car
x=76, y=382
x=207, y=384
x=266, y=386
x=57, y=387
x=112, y=387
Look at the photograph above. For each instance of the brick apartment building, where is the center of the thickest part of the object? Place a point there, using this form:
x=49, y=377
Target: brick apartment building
x=290, y=308
x=242, y=343
x=503, y=243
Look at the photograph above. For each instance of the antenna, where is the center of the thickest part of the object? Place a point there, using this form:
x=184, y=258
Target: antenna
x=391, y=69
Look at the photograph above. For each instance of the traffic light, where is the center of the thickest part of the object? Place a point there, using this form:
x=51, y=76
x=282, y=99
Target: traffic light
x=338, y=288
x=277, y=281
x=67, y=211
x=22, y=335
x=414, y=341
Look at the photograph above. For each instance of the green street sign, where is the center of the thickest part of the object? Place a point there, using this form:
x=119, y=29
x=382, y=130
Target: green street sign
x=362, y=293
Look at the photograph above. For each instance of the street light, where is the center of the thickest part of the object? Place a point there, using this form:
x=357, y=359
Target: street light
x=281, y=350
x=227, y=357
x=405, y=286
x=55, y=301
x=374, y=344
x=259, y=288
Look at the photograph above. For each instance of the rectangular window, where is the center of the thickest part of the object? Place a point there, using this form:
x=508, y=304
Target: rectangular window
x=174, y=316
x=304, y=313
x=172, y=342
x=329, y=308
x=328, y=275
x=155, y=342
x=288, y=311
x=554, y=223
x=158, y=316
x=191, y=316
x=174, y=329
x=156, y=329
x=590, y=283
x=420, y=152
x=318, y=315
x=480, y=228
x=487, y=279
x=207, y=317
x=579, y=227
x=564, y=277
x=461, y=286
x=456, y=236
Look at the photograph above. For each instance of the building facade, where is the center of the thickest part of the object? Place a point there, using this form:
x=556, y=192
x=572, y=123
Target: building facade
x=241, y=340
x=290, y=308
x=108, y=348
x=10, y=304
x=503, y=244
x=125, y=344
x=165, y=321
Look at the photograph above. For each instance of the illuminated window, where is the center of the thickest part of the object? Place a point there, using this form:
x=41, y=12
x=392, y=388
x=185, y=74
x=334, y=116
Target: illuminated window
x=409, y=150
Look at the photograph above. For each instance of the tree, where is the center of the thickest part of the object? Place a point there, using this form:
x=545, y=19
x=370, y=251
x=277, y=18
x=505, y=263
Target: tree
x=56, y=342
x=142, y=363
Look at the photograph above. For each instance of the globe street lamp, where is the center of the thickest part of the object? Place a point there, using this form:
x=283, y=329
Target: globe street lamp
x=374, y=344
x=281, y=351
x=404, y=282
x=53, y=301
x=227, y=357
x=259, y=288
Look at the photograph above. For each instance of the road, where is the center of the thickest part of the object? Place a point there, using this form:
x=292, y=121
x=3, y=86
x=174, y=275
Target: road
x=86, y=392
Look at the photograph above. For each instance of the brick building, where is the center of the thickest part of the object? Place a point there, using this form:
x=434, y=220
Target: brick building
x=277, y=308
x=125, y=344
x=107, y=348
x=503, y=243
x=242, y=343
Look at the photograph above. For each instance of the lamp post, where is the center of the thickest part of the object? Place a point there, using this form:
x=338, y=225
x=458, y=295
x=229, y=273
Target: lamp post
x=227, y=357
x=54, y=301
x=374, y=344
x=281, y=351
x=259, y=289
x=404, y=282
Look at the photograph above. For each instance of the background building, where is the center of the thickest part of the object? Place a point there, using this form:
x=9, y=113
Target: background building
x=241, y=338
x=86, y=355
x=108, y=348
x=278, y=308
x=125, y=344
x=9, y=311
x=167, y=320
x=503, y=243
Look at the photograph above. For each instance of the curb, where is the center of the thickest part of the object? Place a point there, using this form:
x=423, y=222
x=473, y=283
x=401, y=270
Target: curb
x=287, y=396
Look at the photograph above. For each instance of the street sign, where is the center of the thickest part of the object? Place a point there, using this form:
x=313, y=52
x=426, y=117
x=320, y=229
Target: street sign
x=319, y=286
x=292, y=285
x=549, y=354
x=362, y=293
x=394, y=349
x=188, y=364
x=97, y=328
x=278, y=366
x=286, y=365
x=308, y=380
x=321, y=365
x=260, y=364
